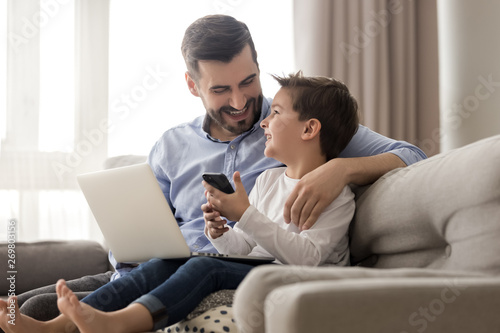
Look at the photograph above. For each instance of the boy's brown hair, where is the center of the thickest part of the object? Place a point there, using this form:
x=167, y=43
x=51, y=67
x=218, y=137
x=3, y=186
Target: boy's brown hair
x=329, y=101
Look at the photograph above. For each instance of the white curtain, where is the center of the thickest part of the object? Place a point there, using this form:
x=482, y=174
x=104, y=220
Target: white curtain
x=372, y=45
x=38, y=185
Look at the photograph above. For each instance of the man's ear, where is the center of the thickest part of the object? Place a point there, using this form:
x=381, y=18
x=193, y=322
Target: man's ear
x=191, y=85
x=311, y=130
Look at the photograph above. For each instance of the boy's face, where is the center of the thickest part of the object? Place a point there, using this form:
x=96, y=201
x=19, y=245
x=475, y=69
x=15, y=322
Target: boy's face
x=231, y=93
x=282, y=128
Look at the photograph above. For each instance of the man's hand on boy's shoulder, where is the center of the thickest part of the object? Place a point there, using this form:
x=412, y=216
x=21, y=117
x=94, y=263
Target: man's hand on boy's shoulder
x=317, y=189
x=313, y=193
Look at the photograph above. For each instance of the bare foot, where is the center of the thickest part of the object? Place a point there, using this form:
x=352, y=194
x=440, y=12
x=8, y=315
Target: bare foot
x=85, y=317
x=12, y=321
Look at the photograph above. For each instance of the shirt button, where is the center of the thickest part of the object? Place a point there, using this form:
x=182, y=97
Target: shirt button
x=233, y=147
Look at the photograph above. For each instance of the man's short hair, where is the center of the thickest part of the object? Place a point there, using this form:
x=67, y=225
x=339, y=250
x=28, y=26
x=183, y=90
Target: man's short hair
x=329, y=101
x=215, y=37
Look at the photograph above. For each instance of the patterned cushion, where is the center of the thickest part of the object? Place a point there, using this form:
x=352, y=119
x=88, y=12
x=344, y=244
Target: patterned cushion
x=213, y=314
x=219, y=319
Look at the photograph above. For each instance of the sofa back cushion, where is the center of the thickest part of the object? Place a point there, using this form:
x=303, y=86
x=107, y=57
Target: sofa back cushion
x=38, y=264
x=443, y=213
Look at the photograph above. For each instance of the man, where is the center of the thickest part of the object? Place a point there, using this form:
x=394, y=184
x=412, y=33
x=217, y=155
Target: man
x=222, y=70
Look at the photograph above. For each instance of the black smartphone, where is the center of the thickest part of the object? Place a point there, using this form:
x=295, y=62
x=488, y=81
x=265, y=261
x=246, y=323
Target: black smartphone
x=219, y=181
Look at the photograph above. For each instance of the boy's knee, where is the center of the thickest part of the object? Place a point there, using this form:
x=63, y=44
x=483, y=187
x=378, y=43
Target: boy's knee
x=204, y=263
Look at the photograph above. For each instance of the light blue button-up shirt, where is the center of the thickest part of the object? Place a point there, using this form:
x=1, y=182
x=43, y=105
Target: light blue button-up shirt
x=185, y=152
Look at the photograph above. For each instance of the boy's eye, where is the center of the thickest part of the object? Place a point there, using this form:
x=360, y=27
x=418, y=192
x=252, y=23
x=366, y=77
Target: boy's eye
x=276, y=112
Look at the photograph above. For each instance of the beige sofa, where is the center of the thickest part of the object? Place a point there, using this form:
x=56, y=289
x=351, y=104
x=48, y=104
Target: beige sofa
x=425, y=246
x=425, y=243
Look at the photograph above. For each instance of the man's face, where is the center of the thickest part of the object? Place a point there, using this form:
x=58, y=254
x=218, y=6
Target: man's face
x=231, y=93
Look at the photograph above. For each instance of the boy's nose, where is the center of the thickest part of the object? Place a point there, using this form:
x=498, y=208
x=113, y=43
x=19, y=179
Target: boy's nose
x=263, y=123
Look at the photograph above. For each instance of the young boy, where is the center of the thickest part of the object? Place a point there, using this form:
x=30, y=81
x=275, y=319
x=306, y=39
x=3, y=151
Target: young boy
x=311, y=121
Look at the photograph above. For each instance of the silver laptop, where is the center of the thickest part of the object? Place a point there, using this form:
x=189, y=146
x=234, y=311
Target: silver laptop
x=135, y=217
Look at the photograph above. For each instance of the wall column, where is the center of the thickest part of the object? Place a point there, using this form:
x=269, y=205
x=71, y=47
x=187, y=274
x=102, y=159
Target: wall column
x=469, y=71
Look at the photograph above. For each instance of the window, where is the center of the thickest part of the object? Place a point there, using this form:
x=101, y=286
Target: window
x=146, y=36
x=72, y=93
x=57, y=78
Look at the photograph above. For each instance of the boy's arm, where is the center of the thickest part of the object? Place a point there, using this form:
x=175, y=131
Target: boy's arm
x=368, y=156
x=232, y=242
x=325, y=243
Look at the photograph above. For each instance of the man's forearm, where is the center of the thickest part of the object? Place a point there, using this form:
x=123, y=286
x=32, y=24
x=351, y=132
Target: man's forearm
x=366, y=170
x=317, y=189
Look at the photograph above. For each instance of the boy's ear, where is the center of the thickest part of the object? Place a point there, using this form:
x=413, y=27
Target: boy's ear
x=191, y=85
x=312, y=128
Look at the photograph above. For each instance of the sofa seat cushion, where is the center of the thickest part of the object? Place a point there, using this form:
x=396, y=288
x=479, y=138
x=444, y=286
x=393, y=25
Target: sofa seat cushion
x=442, y=213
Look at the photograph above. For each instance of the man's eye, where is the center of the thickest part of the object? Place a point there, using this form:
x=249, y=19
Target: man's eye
x=247, y=83
x=276, y=112
x=219, y=91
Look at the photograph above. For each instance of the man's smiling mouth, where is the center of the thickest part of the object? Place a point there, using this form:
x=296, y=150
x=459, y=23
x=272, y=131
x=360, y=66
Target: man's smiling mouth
x=237, y=113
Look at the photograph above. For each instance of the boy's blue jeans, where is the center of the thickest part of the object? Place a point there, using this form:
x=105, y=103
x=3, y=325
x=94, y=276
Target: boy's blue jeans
x=169, y=289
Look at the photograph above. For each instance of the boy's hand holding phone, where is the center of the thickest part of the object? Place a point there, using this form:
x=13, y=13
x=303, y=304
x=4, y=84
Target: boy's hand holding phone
x=214, y=224
x=232, y=206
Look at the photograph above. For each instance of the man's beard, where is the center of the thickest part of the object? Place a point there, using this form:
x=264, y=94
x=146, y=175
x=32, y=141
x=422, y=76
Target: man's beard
x=243, y=125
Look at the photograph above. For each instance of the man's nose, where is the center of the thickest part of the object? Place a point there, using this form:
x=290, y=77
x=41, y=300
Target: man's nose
x=238, y=100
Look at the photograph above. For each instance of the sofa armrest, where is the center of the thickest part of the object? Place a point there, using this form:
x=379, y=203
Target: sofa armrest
x=400, y=305
x=39, y=264
x=439, y=213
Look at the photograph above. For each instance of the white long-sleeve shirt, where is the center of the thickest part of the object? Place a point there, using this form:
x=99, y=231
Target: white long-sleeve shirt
x=262, y=230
